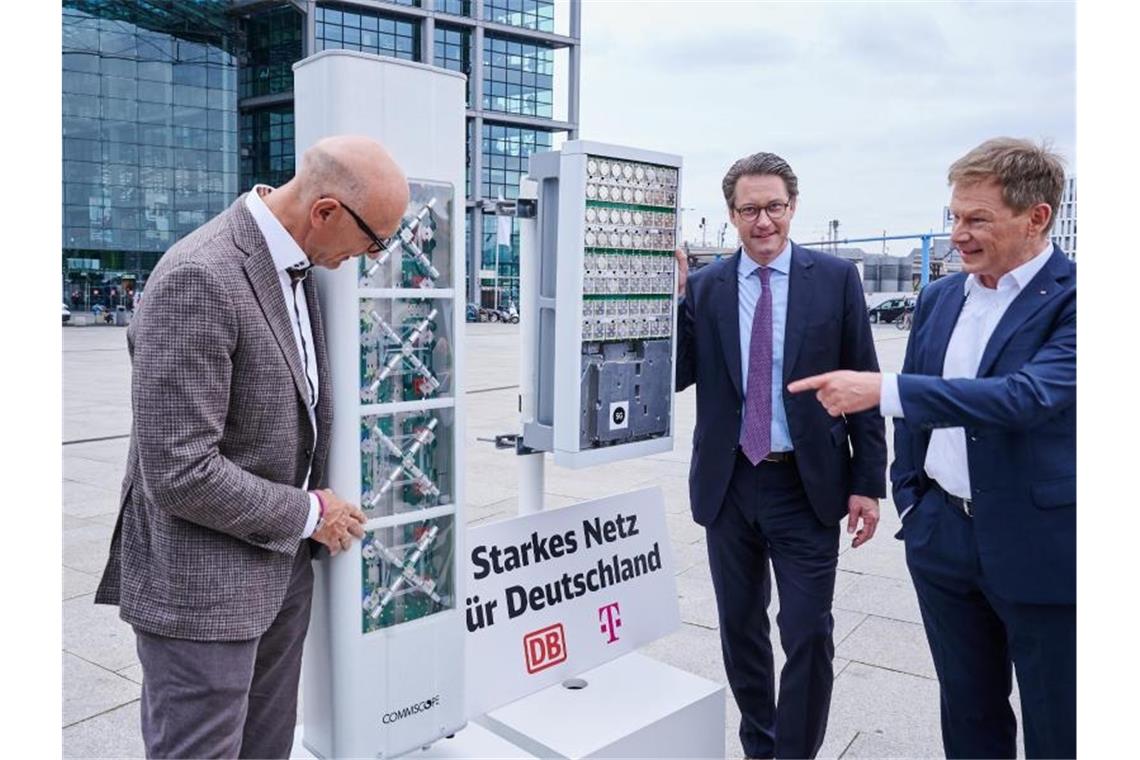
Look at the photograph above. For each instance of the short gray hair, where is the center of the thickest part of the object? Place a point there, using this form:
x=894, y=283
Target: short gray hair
x=759, y=164
x=1028, y=173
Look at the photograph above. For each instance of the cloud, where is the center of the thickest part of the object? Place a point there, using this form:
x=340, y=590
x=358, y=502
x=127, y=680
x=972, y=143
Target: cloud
x=868, y=101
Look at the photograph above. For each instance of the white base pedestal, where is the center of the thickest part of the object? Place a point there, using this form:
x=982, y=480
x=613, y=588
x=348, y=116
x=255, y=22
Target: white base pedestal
x=474, y=741
x=632, y=707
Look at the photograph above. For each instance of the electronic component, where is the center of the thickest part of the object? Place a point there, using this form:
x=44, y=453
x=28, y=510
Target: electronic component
x=405, y=351
x=605, y=370
x=406, y=573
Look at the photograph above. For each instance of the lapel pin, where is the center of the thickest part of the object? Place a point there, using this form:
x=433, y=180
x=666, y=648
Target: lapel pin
x=1044, y=292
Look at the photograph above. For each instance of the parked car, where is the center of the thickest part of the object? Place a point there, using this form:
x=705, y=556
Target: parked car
x=66, y=314
x=472, y=312
x=890, y=310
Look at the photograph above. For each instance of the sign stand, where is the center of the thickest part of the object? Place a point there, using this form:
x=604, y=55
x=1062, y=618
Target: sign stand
x=633, y=706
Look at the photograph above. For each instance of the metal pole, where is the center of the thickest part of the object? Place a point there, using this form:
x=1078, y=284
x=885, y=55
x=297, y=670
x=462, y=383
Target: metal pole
x=475, y=149
x=427, y=34
x=574, y=107
x=925, y=274
x=497, y=223
x=531, y=466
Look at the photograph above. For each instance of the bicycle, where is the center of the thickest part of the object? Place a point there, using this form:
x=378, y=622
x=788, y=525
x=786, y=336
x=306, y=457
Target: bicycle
x=905, y=320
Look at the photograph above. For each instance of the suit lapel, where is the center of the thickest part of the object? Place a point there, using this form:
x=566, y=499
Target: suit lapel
x=945, y=316
x=800, y=297
x=266, y=286
x=726, y=301
x=324, y=403
x=1042, y=289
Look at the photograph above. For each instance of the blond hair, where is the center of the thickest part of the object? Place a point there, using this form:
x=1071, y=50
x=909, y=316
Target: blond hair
x=1028, y=173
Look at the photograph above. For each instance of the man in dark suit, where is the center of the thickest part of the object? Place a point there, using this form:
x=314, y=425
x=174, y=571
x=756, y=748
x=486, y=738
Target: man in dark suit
x=772, y=474
x=210, y=558
x=985, y=457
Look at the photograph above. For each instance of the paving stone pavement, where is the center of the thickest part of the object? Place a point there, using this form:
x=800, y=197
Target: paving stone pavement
x=885, y=702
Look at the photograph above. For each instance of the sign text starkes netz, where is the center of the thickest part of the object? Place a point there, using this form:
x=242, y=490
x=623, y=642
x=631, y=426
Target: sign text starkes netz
x=413, y=709
x=605, y=572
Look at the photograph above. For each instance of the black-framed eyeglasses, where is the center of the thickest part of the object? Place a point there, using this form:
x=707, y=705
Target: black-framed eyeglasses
x=378, y=243
x=775, y=211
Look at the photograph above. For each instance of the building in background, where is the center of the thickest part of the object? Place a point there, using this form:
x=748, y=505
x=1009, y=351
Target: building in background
x=944, y=260
x=1065, y=227
x=171, y=108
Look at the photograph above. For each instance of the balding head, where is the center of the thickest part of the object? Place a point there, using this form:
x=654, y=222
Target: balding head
x=339, y=177
x=357, y=171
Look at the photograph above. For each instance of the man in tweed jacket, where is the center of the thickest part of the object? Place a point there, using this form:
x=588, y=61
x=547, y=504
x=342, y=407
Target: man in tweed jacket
x=210, y=559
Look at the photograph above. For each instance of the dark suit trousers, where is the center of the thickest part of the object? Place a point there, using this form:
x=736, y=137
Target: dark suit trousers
x=223, y=699
x=974, y=638
x=766, y=518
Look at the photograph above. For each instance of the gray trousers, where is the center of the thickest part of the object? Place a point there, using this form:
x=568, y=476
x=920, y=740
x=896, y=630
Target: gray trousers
x=224, y=699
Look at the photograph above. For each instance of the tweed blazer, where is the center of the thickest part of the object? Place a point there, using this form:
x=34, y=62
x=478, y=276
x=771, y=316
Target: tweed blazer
x=211, y=508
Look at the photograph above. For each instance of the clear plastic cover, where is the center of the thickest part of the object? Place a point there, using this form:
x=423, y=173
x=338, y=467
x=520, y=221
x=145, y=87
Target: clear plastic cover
x=406, y=462
x=406, y=349
x=407, y=572
x=419, y=254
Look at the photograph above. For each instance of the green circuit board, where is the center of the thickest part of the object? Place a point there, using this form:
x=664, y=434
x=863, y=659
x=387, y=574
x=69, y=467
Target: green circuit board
x=386, y=585
x=405, y=462
x=405, y=352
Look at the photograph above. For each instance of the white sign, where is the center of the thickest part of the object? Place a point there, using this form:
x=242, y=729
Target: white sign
x=553, y=594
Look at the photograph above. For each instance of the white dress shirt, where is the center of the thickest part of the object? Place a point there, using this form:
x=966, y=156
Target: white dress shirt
x=287, y=254
x=946, y=460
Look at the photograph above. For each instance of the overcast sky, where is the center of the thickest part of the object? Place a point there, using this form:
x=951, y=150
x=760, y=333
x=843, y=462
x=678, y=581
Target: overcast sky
x=868, y=102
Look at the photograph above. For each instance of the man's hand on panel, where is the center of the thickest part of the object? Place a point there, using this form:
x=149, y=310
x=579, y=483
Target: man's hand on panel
x=340, y=523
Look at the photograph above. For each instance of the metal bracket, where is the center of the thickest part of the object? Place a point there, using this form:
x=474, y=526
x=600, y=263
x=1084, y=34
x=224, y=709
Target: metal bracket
x=510, y=441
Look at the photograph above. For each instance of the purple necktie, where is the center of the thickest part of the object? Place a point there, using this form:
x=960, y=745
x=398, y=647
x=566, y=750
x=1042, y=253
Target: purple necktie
x=756, y=433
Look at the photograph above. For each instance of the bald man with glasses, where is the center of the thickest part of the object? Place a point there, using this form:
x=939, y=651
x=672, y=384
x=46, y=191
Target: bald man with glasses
x=772, y=475
x=224, y=498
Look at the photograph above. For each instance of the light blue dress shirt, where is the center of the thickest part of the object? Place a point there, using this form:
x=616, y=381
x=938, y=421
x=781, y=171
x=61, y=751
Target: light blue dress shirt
x=749, y=293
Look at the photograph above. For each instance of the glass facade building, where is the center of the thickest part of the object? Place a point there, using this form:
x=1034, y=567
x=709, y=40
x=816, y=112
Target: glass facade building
x=149, y=138
x=346, y=28
x=173, y=108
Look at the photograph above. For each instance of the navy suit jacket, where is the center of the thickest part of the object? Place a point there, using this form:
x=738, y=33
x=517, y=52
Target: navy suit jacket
x=1020, y=417
x=827, y=329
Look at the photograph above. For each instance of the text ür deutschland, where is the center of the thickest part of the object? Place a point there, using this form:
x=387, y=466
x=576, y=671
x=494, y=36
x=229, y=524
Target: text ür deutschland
x=607, y=573
x=503, y=559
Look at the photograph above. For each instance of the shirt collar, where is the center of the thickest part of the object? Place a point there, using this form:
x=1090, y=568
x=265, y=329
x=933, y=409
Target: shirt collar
x=1016, y=278
x=782, y=263
x=282, y=247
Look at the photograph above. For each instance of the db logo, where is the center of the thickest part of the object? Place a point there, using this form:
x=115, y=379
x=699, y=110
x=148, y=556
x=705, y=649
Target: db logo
x=544, y=648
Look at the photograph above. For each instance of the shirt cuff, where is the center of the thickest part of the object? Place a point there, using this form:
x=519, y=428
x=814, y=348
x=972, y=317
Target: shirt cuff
x=314, y=515
x=903, y=514
x=890, y=405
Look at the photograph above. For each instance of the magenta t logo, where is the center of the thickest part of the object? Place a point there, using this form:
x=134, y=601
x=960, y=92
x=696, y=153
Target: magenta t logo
x=610, y=615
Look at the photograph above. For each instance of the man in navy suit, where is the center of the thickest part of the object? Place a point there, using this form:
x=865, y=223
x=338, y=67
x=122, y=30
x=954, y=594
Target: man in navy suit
x=773, y=474
x=985, y=457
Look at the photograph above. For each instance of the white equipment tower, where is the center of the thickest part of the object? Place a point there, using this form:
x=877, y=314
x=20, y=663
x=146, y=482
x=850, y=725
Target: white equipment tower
x=603, y=346
x=383, y=663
